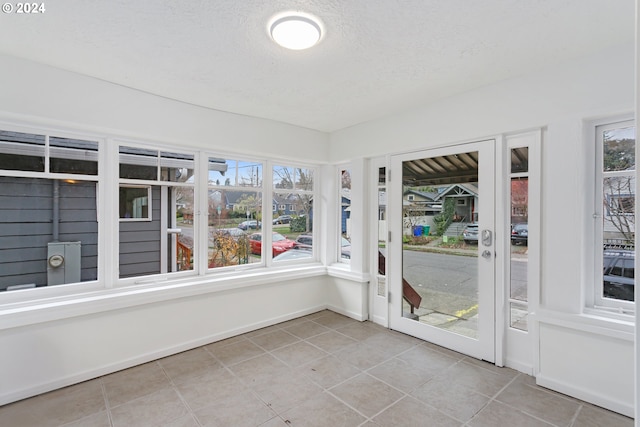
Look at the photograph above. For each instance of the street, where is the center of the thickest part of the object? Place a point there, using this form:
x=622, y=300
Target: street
x=448, y=283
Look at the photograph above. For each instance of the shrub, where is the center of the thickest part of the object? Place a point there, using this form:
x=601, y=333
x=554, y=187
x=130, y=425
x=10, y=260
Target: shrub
x=299, y=224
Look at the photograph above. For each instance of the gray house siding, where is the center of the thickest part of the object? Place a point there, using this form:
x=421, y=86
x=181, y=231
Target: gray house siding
x=140, y=242
x=26, y=215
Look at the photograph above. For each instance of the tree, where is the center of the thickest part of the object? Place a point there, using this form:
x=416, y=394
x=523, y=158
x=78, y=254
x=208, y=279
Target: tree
x=619, y=205
x=297, y=179
x=619, y=164
x=250, y=203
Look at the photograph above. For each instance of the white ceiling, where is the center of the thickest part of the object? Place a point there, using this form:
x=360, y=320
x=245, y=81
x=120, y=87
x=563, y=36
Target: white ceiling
x=377, y=57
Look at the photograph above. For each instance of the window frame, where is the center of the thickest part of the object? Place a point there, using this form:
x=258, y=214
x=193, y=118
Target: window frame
x=339, y=171
x=164, y=285
x=314, y=193
x=151, y=279
x=594, y=301
x=249, y=189
x=149, y=216
x=27, y=296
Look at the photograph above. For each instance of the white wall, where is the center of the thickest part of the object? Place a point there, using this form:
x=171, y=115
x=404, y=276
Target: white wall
x=561, y=99
x=44, y=93
x=40, y=357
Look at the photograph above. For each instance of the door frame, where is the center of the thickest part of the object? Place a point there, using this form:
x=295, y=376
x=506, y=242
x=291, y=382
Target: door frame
x=489, y=345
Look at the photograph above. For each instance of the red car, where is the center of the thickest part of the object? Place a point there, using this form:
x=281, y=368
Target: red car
x=280, y=244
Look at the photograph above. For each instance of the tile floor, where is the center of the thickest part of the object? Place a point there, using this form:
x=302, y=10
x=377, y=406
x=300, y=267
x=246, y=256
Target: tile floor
x=319, y=370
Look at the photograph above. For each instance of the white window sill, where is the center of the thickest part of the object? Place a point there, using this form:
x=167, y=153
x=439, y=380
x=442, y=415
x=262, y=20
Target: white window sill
x=343, y=271
x=593, y=321
x=95, y=301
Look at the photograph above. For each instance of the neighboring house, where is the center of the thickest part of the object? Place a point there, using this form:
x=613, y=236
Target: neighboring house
x=421, y=203
x=465, y=197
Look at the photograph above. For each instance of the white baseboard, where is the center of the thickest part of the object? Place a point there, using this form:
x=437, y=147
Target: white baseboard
x=352, y=314
x=519, y=366
x=586, y=395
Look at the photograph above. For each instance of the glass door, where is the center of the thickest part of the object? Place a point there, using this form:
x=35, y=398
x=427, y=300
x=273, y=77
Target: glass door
x=442, y=248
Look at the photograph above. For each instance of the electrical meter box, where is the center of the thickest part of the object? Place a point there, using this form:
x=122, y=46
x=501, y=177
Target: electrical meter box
x=63, y=263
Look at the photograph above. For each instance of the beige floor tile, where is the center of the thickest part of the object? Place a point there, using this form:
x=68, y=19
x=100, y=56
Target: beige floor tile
x=389, y=344
x=130, y=384
x=211, y=387
x=183, y=367
x=321, y=369
x=400, y=374
x=540, y=403
x=284, y=392
x=236, y=352
x=321, y=411
x=411, y=412
x=476, y=378
x=305, y=329
x=329, y=371
x=100, y=419
x=275, y=422
x=262, y=331
x=362, y=330
x=592, y=416
x=511, y=373
x=186, y=421
x=317, y=314
x=235, y=410
x=298, y=353
x=159, y=408
x=453, y=399
x=361, y=355
x=497, y=414
x=274, y=340
x=259, y=369
x=331, y=341
x=453, y=354
x=57, y=407
x=334, y=320
x=426, y=359
x=366, y=394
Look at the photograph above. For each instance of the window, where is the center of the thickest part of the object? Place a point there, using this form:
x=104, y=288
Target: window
x=614, y=212
x=234, y=212
x=175, y=213
x=156, y=187
x=293, y=185
x=344, y=251
x=519, y=238
x=134, y=203
x=48, y=210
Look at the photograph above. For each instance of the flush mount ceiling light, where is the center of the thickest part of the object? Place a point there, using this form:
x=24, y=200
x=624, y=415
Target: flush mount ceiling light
x=295, y=32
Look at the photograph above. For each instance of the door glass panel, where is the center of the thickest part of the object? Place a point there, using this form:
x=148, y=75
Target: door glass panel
x=382, y=232
x=440, y=242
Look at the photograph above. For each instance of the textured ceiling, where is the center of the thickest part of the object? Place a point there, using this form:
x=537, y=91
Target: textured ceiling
x=377, y=57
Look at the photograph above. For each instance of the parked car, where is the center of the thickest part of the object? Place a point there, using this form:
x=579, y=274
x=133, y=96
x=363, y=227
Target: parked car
x=520, y=234
x=345, y=249
x=306, y=241
x=296, y=252
x=618, y=274
x=280, y=244
x=250, y=225
x=470, y=234
x=282, y=219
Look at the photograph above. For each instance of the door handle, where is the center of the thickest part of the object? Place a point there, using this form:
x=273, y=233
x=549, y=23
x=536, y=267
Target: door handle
x=486, y=254
x=487, y=237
